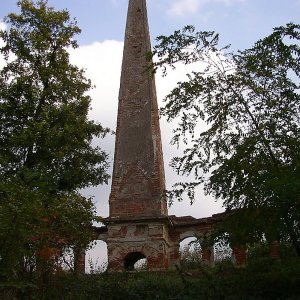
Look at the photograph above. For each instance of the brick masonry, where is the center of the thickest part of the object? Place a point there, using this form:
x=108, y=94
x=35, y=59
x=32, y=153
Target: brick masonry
x=138, y=177
x=136, y=224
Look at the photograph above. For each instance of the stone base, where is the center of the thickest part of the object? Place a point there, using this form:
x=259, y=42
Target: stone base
x=130, y=242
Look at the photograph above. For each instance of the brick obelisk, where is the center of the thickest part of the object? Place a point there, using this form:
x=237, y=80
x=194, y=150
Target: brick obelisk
x=138, y=176
x=138, y=212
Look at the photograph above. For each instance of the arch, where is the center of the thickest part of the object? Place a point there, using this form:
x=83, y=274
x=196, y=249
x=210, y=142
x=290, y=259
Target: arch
x=190, y=252
x=96, y=257
x=131, y=259
x=187, y=234
x=190, y=243
x=222, y=250
x=101, y=233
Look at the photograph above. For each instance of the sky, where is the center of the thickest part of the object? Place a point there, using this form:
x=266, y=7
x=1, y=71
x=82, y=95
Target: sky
x=239, y=23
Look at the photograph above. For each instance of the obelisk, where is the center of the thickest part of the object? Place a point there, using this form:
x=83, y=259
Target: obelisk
x=138, y=174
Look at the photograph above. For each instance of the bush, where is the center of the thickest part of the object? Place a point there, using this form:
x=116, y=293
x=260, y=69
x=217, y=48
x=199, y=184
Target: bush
x=223, y=281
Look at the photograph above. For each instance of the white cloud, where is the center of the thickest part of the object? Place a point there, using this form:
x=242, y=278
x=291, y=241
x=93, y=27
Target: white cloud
x=183, y=7
x=189, y=7
x=102, y=62
x=2, y=26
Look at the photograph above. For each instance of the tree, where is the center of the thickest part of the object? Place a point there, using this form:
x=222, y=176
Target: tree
x=238, y=118
x=46, y=151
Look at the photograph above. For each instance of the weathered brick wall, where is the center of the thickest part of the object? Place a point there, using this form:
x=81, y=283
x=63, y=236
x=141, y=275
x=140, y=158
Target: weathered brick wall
x=148, y=239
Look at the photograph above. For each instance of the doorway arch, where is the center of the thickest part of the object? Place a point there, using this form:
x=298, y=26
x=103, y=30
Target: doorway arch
x=131, y=259
x=96, y=258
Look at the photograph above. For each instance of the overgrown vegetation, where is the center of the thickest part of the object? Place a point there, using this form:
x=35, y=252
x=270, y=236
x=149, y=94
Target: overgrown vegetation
x=238, y=128
x=46, y=151
x=262, y=279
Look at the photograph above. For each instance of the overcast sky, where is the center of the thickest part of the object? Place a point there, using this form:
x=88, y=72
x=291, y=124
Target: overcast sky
x=239, y=23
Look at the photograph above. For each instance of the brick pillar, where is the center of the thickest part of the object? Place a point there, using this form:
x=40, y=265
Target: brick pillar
x=174, y=256
x=274, y=250
x=239, y=255
x=207, y=255
x=79, y=261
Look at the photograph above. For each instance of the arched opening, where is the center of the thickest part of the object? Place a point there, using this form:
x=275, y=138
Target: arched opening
x=189, y=243
x=222, y=250
x=135, y=261
x=96, y=258
x=190, y=253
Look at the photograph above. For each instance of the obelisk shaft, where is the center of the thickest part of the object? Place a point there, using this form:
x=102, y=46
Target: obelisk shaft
x=138, y=176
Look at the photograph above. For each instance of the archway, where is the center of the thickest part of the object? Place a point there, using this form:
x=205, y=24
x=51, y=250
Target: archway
x=190, y=252
x=96, y=258
x=198, y=247
x=222, y=250
x=135, y=261
x=189, y=243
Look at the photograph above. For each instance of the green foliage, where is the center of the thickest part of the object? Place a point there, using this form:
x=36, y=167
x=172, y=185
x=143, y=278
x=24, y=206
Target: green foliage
x=46, y=152
x=238, y=120
x=280, y=281
x=190, y=257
